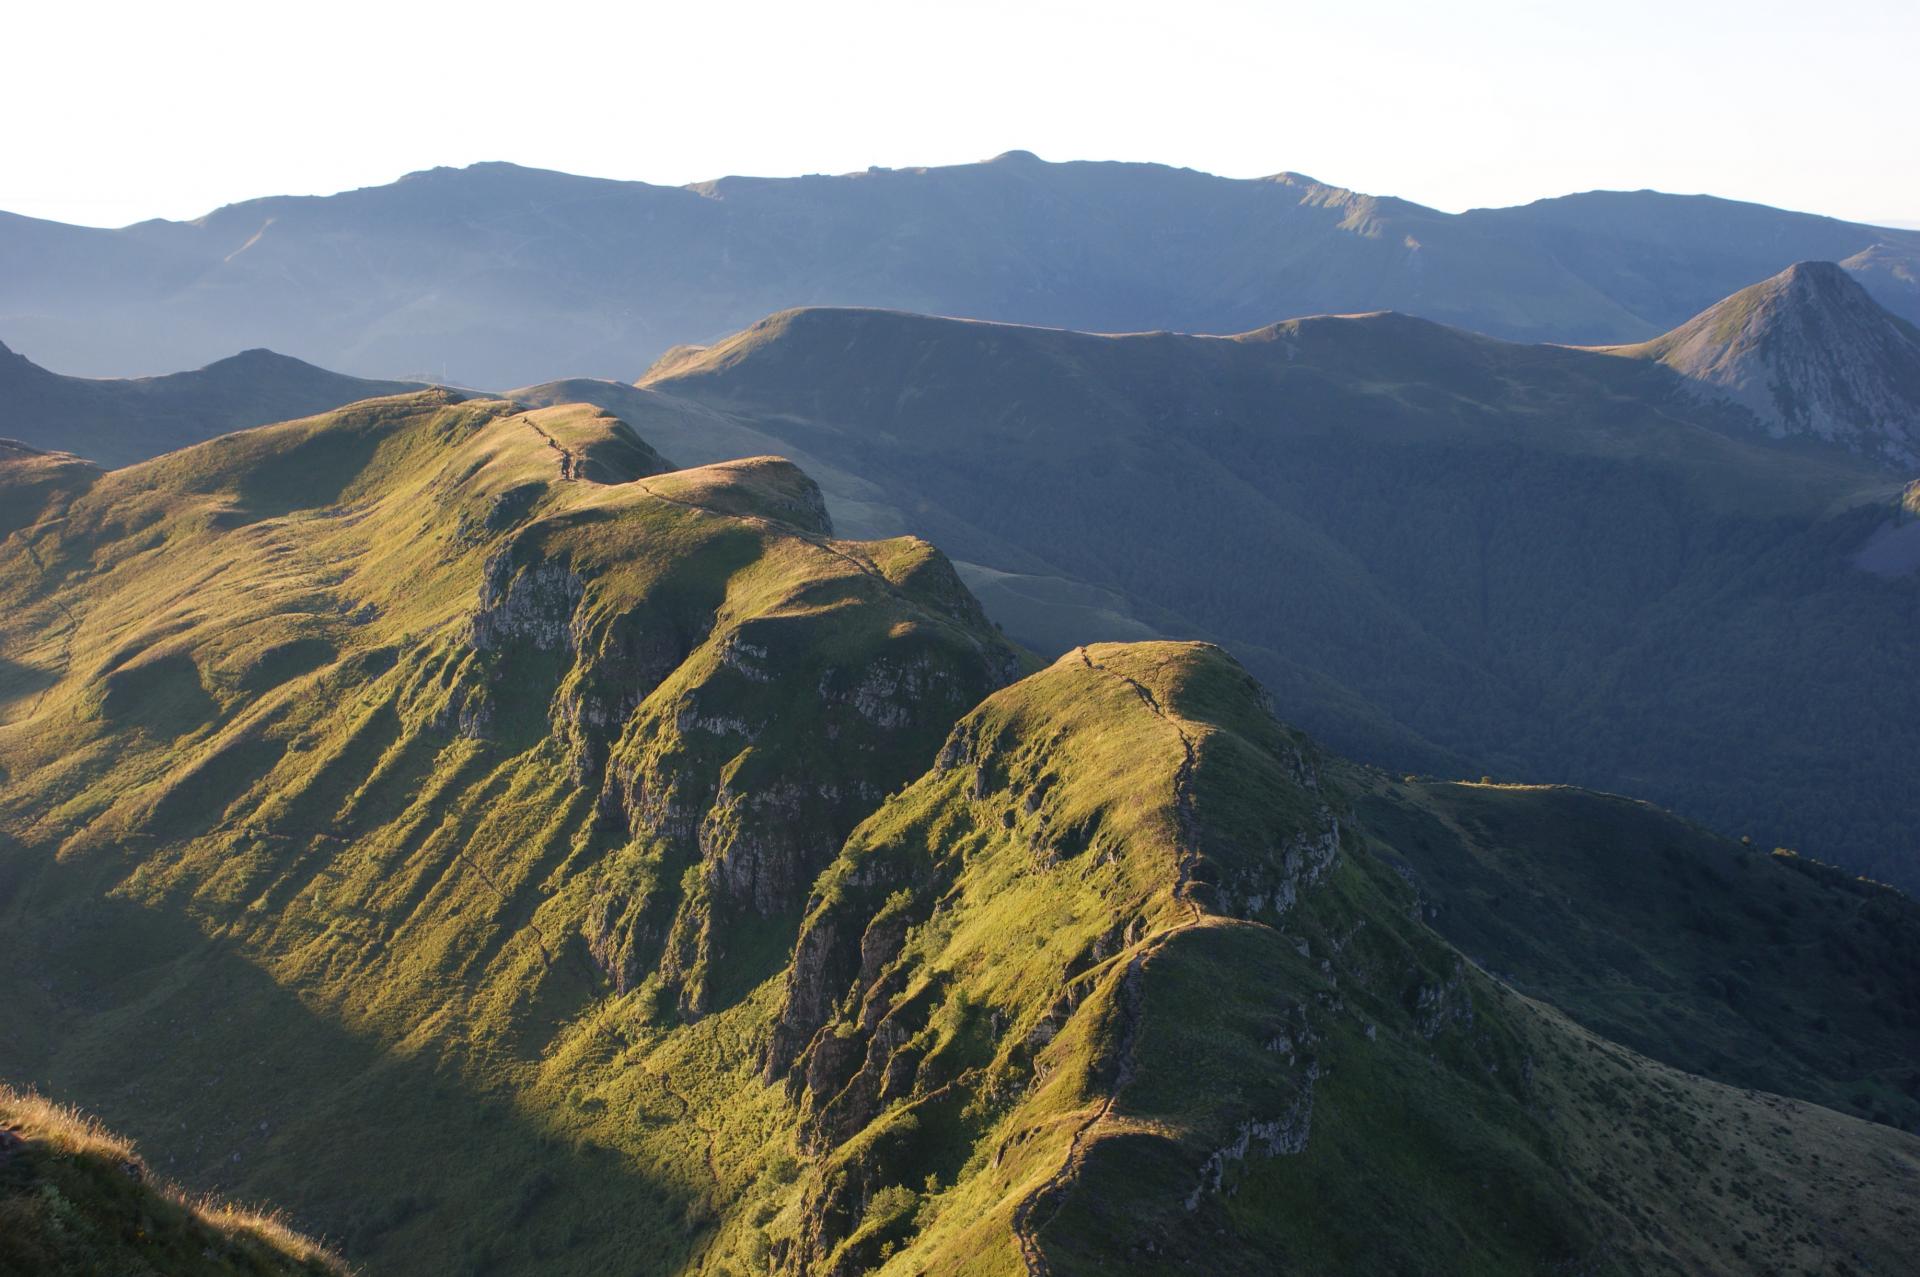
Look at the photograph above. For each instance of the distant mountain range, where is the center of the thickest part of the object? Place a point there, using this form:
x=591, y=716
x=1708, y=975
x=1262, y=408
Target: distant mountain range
x=597, y=827
x=116, y=421
x=496, y=275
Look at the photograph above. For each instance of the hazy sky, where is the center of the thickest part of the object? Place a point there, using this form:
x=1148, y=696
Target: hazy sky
x=117, y=112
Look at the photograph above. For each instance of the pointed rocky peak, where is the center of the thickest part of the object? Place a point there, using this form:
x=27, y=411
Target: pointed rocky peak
x=1810, y=355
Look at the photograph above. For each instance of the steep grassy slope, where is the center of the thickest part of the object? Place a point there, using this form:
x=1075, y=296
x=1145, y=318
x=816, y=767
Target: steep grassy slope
x=117, y=422
x=1116, y=988
x=76, y=1201
x=1766, y=970
x=1809, y=355
x=354, y=762
x=495, y=275
x=1441, y=551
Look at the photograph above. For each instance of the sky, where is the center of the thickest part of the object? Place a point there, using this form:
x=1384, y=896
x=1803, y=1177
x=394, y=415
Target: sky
x=119, y=112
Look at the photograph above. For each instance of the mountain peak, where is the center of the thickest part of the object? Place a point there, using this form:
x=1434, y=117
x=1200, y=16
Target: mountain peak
x=258, y=356
x=1807, y=353
x=1825, y=284
x=1805, y=273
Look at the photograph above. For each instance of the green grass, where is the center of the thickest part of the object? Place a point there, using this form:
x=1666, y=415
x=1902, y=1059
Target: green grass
x=76, y=1199
x=513, y=861
x=367, y=753
x=1135, y=1028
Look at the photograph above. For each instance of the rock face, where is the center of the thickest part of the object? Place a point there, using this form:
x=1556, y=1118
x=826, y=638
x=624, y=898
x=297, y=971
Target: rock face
x=1807, y=354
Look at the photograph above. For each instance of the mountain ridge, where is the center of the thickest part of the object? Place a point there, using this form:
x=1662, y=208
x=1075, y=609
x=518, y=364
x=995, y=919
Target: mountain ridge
x=76, y=1200
x=118, y=421
x=503, y=275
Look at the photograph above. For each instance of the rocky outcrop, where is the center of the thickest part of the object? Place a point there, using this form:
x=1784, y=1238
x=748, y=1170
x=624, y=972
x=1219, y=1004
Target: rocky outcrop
x=612, y=660
x=526, y=603
x=1270, y=885
x=1282, y=1136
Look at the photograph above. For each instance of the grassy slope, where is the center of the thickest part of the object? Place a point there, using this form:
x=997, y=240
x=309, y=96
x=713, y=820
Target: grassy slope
x=76, y=1201
x=1769, y=971
x=390, y=781
x=119, y=421
x=1440, y=551
x=1047, y=610
x=1119, y=994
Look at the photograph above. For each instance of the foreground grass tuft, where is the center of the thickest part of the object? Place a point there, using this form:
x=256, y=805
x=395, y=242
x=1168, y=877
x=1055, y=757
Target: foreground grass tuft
x=77, y=1199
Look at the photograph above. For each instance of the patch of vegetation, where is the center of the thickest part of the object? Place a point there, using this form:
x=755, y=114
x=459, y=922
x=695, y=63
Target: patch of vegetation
x=320, y=769
x=77, y=1200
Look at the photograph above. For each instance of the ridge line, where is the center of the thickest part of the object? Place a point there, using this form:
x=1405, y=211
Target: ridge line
x=1025, y=1231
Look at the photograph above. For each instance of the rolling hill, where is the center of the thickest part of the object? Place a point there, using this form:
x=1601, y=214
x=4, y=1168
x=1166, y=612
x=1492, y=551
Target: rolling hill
x=117, y=421
x=495, y=275
x=533, y=857
x=1445, y=553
